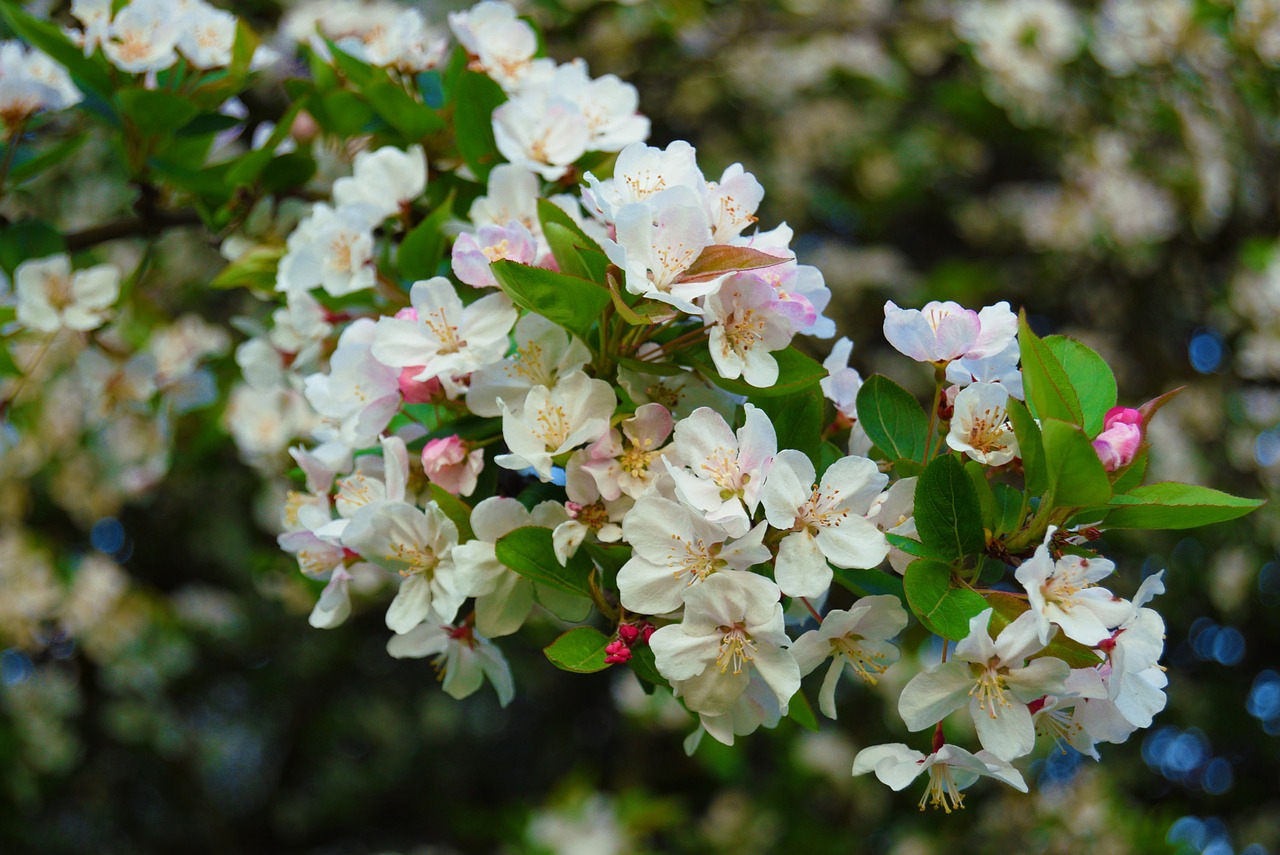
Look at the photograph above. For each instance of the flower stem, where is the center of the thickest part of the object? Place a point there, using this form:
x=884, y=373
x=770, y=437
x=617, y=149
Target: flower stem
x=939, y=378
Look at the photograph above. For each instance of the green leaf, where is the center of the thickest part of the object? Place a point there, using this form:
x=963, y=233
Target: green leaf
x=529, y=552
x=567, y=256
x=1030, y=447
x=90, y=73
x=26, y=240
x=475, y=97
x=580, y=650
x=358, y=72
x=413, y=119
x=643, y=665
x=1090, y=377
x=155, y=111
x=342, y=113
x=948, y=518
x=8, y=368
x=568, y=301
x=915, y=547
x=550, y=213
x=1131, y=476
x=288, y=172
x=719, y=259
x=797, y=419
x=982, y=490
x=456, y=510
x=255, y=270
x=800, y=711
x=572, y=608
x=1169, y=505
x=795, y=372
x=828, y=453
x=1050, y=394
x=422, y=249
x=608, y=557
x=866, y=583
x=1077, y=478
x=893, y=418
x=1008, y=506
x=50, y=157
x=943, y=609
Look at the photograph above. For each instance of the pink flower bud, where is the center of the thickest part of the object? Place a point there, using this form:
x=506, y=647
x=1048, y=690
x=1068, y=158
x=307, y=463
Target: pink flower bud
x=418, y=391
x=1122, y=415
x=628, y=633
x=616, y=651
x=1117, y=445
x=646, y=631
x=448, y=465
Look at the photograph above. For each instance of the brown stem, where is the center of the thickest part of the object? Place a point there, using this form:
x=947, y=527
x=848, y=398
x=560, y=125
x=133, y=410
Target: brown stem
x=149, y=226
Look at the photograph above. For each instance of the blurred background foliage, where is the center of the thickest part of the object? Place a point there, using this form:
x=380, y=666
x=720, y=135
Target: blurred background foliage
x=1110, y=166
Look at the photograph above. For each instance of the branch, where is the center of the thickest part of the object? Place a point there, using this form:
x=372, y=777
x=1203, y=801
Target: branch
x=148, y=226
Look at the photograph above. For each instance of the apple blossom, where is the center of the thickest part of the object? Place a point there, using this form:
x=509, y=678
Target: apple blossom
x=842, y=383
x=51, y=297
x=552, y=421
x=473, y=253
x=721, y=473
x=644, y=174
x=995, y=679
x=824, y=520
x=331, y=248
x=980, y=425
x=544, y=352
x=951, y=769
x=1120, y=438
x=674, y=550
x=464, y=658
x=942, y=332
x=449, y=464
x=1065, y=593
x=745, y=327
x=655, y=245
x=143, y=37
x=857, y=637
x=383, y=182
x=627, y=461
x=732, y=629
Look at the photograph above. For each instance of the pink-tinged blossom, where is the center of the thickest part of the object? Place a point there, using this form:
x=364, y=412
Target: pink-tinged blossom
x=449, y=340
x=627, y=461
x=732, y=202
x=951, y=769
x=1120, y=438
x=722, y=473
x=544, y=353
x=464, y=659
x=942, y=332
x=674, y=550
x=590, y=514
x=980, y=425
x=745, y=327
x=416, y=391
x=450, y=466
x=552, y=421
x=823, y=520
x=473, y=253
x=732, y=629
x=1001, y=368
x=995, y=679
x=802, y=293
x=857, y=638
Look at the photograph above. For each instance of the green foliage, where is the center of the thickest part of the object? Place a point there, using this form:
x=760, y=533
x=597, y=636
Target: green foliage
x=866, y=583
x=28, y=239
x=1030, y=448
x=580, y=650
x=154, y=111
x=893, y=418
x=943, y=607
x=797, y=419
x=455, y=509
x=1090, y=377
x=475, y=97
x=1076, y=476
x=948, y=518
x=1168, y=505
x=529, y=552
x=422, y=249
x=573, y=303
x=1048, y=389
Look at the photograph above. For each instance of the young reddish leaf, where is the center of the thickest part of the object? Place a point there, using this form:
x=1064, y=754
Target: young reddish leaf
x=719, y=259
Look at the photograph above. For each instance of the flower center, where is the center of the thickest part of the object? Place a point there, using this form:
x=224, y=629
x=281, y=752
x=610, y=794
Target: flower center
x=942, y=791
x=736, y=648
x=989, y=690
x=865, y=664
